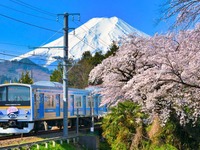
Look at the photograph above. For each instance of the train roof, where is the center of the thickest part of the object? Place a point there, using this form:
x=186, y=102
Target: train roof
x=48, y=83
x=39, y=83
x=21, y=84
x=94, y=89
x=51, y=85
x=58, y=85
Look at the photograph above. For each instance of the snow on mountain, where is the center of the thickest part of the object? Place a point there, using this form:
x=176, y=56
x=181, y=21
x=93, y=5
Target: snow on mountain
x=95, y=35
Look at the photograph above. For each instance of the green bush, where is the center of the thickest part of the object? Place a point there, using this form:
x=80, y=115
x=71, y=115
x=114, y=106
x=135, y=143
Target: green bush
x=122, y=131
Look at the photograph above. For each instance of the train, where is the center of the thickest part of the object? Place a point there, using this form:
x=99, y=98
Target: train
x=30, y=107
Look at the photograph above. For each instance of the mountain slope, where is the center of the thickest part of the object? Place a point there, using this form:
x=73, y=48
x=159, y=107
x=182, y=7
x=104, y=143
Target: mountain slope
x=14, y=69
x=95, y=35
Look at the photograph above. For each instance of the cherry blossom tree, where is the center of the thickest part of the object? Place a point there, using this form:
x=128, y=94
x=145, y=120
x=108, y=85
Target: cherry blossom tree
x=187, y=12
x=161, y=73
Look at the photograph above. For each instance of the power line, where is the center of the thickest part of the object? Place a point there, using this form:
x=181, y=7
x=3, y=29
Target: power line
x=19, y=2
x=52, y=36
x=86, y=43
x=29, y=23
x=32, y=64
x=29, y=64
x=6, y=54
x=26, y=13
x=32, y=46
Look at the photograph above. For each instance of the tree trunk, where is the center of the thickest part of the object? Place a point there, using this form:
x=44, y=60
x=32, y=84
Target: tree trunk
x=137, y=138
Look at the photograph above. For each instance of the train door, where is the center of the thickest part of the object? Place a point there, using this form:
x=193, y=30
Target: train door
x=71, y=105
x=96, y=104
x=84, y=105
x=57, y=105
x=35, y=106
x=41, y=105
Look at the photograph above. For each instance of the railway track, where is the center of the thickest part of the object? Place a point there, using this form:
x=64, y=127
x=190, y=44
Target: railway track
x=7, y=140
x=28, y=138
x=8, y=137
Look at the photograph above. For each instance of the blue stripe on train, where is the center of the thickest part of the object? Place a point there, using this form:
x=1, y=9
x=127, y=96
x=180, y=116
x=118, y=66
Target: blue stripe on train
x=50, y=110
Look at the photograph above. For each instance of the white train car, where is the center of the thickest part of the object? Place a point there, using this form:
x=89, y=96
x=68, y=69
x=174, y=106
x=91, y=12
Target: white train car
x=25, y=107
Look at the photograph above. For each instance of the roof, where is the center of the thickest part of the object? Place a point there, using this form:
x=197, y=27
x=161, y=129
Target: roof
x=48, y=83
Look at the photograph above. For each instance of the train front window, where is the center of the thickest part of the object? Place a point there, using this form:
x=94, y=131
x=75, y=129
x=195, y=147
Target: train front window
x=2, y=94
x=18, y=93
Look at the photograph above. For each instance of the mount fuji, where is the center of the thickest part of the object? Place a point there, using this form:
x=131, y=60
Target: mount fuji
x=95, y=35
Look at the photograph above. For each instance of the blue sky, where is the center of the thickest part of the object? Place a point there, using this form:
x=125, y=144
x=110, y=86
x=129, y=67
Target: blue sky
x=16, y=37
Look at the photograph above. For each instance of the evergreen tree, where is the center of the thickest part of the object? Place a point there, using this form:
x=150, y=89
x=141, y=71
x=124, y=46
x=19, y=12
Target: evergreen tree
x=78, y=74
x=97, y=58
x=25, y=78
x=112, y=50
x=86, y=55
x=57, y=75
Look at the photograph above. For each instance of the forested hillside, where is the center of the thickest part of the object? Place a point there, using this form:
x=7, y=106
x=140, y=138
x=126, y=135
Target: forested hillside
x=78, y=72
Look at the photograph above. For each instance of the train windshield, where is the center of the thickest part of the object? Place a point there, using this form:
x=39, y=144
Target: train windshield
x=14, y=95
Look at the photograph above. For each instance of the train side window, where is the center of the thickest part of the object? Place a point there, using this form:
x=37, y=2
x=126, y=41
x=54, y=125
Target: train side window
x=90, y=101
x=71, y=99
x=52, y=100
x=35, y=98
x=49, y=100
x=2, y=94
x=99, y=100
x=78, y=100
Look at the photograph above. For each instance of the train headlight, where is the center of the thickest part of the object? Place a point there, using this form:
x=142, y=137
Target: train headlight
x=27, y=112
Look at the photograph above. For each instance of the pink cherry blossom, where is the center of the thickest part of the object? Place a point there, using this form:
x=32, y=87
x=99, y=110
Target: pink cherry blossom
x=160, y=73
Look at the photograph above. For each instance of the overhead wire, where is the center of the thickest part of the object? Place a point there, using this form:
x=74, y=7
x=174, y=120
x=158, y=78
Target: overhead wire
x=28, y=23
x=19, y=2
x=19, y=51
x=50, y=29
x=82, y=40
x=45, y=12
x=48, y=39
x=32, y=64
x=6, y=54
x=43, y=56
x=52, y=36
x=83, y=24
x=36, y=9
x=25, y=12
x=19, y=62
x=33, y=8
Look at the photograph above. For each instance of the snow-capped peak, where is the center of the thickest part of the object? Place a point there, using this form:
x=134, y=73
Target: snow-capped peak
x=95, y=35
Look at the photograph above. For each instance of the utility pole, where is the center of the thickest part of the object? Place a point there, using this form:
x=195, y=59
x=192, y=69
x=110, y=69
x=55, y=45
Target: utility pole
x=65, y=74
x=65, y=77
x=65, y=69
